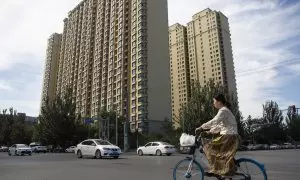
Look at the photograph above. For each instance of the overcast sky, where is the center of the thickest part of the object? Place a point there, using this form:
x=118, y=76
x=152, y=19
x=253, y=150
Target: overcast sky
x=264, y=34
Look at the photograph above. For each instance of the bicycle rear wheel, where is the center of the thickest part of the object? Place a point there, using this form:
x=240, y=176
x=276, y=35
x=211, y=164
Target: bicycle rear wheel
x=180, y=172
x=249, y=169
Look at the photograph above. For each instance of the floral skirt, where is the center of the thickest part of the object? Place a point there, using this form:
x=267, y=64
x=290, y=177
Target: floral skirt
x=220, y=154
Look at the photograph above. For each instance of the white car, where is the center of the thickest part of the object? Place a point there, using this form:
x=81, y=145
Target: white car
x=3, y=149
x=37, y=147
x=157, y=148
x=71, y=149
x=19, y=149
x=97, y=148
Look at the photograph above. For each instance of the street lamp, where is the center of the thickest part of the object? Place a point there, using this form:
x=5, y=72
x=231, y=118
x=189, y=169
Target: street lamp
x=125, y=136
x=137, y=133
x=116, y=128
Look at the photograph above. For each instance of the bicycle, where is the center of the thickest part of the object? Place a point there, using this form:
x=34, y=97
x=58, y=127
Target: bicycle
x=194, y=164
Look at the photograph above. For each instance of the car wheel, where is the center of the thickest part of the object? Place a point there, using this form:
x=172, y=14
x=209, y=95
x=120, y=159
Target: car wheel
x=169, y=154
x=98, y=154
x=79, y=154
x=29, y=154
x=140, y=152
x=9, y=153
x=158, y=152
x=116, y=157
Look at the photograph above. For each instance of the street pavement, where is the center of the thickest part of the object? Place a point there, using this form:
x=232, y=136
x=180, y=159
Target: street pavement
x=280, y=165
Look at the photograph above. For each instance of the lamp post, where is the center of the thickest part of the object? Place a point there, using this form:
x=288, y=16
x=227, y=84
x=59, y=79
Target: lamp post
x=116, y=128
x=137, y=133
x=125, y=137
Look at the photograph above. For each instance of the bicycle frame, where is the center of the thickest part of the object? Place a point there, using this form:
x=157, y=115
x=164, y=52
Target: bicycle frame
x=199, y=146
x=192, y=159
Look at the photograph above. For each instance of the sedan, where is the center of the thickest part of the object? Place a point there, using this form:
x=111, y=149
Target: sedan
x=19, y=149
x=71, y=149
x=97, y=148
x=157, y=148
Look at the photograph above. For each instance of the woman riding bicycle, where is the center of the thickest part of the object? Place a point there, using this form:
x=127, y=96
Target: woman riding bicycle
x=221, y=150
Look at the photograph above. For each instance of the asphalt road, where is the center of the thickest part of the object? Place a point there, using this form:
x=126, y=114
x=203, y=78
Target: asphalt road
x=280, y=165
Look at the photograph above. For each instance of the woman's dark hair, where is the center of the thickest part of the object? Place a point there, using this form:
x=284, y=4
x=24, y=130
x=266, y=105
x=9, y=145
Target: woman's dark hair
x=221, y=98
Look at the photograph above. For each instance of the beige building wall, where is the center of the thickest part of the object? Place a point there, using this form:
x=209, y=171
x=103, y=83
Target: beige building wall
x=209, y=55
x=150, y=74
x=114, y=55
x=179, y=65
x=158, y=63
x=210, y=52
x=61, y=59
x=51, y=68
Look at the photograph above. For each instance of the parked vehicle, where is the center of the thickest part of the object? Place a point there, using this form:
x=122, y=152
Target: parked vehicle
x=274, y=147
x=97, y=148
x=55, y=149
x=288, y=146
x=19, y=149
x=71, y=149
x=37, y=147
x=3, y=149
x=158, y=148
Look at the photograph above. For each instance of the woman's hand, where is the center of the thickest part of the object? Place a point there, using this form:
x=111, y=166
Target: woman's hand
x=198, y=129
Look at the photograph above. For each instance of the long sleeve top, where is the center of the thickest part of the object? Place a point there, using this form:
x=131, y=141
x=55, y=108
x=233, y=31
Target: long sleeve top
x=224, y=123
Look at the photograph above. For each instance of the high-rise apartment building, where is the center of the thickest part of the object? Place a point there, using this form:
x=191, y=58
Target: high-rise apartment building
x=50, y=70
x=210, y=50
x=209, y=53
x=179, y=65
x=114, y=55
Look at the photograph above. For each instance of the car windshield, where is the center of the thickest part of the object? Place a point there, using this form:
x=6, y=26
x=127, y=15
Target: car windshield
x=102, y=142
x=22, y=146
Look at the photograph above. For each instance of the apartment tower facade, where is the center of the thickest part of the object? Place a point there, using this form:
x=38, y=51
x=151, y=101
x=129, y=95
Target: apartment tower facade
x=114, y=55
x=50, y=69
x=209, y=53
x=179, y=65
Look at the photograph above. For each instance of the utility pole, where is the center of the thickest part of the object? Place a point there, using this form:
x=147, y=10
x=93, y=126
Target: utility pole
x=137, y=134
x=99, y=125
x=125, y=136
x=116, y=128
x=108, y=128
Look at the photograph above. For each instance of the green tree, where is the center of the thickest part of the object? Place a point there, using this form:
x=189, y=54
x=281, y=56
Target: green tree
x=273, y=129
x=293, y=127
x=269, y=128
x=21, y=131
x=199, y=108
x=170, y=134
x=110, y=118
x=252, y=128
x=13, y=128
x=57, y=121
x=6, y=125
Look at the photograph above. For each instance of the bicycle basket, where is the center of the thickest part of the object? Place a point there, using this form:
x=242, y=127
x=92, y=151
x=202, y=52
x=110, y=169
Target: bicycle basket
x=188, y=149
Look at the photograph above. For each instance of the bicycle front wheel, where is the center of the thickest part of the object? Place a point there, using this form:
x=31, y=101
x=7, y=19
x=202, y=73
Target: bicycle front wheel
x=188, y=169
x=249, y=169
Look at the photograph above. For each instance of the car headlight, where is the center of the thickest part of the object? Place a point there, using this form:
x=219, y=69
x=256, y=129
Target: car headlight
x=106, y=149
